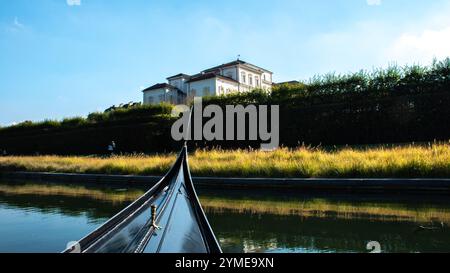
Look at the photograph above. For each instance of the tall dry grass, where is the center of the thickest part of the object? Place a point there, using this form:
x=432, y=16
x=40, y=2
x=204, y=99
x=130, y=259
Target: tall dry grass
x=431, y=160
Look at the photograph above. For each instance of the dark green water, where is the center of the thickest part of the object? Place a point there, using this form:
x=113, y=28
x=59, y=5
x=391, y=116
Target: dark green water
x=44, y=221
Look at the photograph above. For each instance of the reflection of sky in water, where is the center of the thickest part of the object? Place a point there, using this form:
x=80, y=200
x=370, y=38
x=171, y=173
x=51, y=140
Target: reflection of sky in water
x=32, y=230
x=273, y=246
x=240, y=232
x=299, y=250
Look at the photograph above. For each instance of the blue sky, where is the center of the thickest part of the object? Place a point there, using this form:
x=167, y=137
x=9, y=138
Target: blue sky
x=61, y=58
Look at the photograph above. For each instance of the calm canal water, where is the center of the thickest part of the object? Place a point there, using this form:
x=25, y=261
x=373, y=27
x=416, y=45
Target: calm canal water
x=44, y=217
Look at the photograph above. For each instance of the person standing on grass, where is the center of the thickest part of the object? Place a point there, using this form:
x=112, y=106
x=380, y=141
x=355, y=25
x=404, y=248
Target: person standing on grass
x=111, y=148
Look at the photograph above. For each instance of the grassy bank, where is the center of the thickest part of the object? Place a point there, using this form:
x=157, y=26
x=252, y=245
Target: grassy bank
x=410, y=161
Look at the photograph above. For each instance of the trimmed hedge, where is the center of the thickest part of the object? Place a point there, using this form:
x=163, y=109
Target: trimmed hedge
x=138, y=112
x=139, y=129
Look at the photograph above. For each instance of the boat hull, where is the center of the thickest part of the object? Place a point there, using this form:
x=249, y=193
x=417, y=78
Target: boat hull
x=166, y=219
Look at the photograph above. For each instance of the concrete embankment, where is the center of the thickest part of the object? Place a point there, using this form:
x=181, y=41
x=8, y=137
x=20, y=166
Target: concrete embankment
x=325, y=184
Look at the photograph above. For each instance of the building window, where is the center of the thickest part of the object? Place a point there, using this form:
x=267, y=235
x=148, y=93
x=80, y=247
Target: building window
x=264, y=77
x=243, y=77
x=220, y=90
x=150, y=99
x=257, y=81
x=161, y=98
x=250, y=79
x=230, y=75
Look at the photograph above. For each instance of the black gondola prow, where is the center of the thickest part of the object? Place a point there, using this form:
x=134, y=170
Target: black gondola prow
x=132, y=230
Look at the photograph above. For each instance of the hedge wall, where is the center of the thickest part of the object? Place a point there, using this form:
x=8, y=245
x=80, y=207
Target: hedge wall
x=143, y=129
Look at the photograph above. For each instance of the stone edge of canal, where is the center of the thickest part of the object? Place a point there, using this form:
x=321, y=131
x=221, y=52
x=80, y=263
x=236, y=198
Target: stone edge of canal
x=328, y=184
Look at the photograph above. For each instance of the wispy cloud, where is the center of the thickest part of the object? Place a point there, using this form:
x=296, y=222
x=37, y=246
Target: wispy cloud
x=373, y=2
x=73, y=2
x=377, y=43
x=17, y=24
x=422, y=46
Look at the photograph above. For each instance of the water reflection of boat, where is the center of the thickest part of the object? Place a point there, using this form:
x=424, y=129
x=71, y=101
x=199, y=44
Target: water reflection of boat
x=166, y=219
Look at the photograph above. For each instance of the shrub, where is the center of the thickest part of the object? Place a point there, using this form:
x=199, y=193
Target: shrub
x=73, y=122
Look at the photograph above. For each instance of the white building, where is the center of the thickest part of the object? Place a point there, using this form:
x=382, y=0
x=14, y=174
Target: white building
x=236, y=76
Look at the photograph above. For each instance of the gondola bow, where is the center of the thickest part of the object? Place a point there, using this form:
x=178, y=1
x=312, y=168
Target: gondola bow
x=166, y=219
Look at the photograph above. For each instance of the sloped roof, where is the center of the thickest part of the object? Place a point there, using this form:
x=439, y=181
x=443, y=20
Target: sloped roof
x=205, y=76
x=179, y=75
x=159, y=86
x=163, y=85
x=235, y=63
